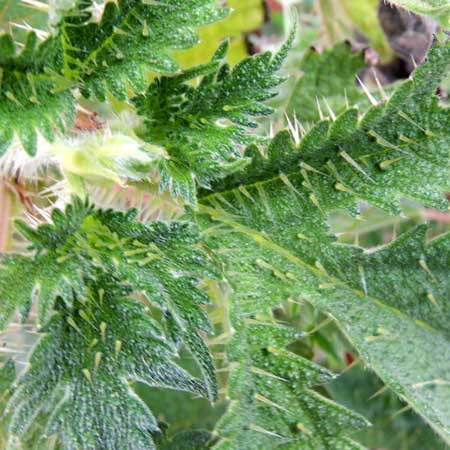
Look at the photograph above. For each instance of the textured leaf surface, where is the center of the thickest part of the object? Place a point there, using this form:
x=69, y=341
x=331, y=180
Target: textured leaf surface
x=270, y=229
x=397, y=149
x=114, y=54
x=13, y=12
x=201, y=128
x=161, y=260
x=7, y=378
x=80, y=374
x=328, y=80
x=132, y=38
x=28, y=91
x=45, y=277
x=188, y=440
x=273, y=403
x=356, y=389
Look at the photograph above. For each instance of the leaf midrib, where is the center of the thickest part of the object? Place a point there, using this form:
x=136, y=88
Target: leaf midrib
x=265, y=242
x=276, y=177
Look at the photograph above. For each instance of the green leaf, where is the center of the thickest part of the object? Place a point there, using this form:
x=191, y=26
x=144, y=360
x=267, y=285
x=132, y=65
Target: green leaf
x=271, y=232
x=7, y=378
x=358, y=389
x=182, y=411
x=14, y=12
x=437, y=9
x=396, y=149
x=32, y=97
x=328, y=80
x=202, y=128
x=81, y=374
x=46, y=277
x=161, y=260
x=188, y=440
x=273, y=401
x=132, y=38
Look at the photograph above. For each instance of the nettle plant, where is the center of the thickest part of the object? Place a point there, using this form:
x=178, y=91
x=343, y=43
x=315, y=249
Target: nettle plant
x=115, y=297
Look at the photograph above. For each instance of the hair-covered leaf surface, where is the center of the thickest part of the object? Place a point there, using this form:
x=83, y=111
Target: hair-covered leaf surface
x=79, y=383
x=270, y=230
x=273, y=401
x=32, y=98
x=328, y=82
x=398, y=148
x=7, y=378
x=113, y=54
x=161, y=260
x=131, y=39
x=201, y=128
